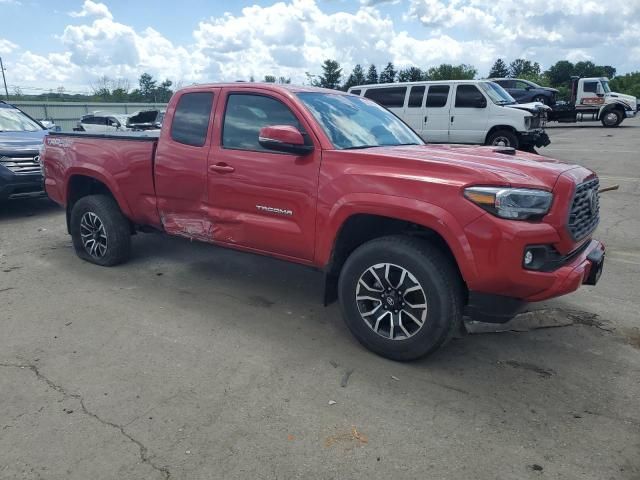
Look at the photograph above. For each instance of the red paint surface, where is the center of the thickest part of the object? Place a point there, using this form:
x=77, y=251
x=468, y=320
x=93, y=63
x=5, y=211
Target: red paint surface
x=211, y=194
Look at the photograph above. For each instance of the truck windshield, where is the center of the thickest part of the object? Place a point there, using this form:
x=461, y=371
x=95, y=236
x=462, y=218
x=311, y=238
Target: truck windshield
x=496, y=93
x=12, y=120
x=353, y=122
x=605, y=86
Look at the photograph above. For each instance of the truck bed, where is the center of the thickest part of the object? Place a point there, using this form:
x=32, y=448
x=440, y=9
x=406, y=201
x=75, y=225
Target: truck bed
x=122, y=161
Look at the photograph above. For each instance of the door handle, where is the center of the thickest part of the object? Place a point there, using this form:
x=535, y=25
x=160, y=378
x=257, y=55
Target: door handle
x=451, y=118
x=426, y=118
x=221, y=168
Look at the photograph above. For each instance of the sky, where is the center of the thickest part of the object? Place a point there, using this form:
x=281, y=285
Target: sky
x=72, y=43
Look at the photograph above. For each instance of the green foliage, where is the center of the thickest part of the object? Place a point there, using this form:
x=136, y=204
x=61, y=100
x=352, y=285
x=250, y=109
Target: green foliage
x=411, y=74
x=356, y=77
x=521, y=68
x=499, y=69
x=372, y=75
x=451, y=72
x=388, y=75
x=560, y=73
x=331, y=75
x=269, y=79
x=629, y=84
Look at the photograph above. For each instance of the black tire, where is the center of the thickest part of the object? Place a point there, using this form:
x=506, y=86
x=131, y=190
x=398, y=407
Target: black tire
x=541, y=99
x=441, y=288
x=115, y=232
x=608, y=120
x=505, y=137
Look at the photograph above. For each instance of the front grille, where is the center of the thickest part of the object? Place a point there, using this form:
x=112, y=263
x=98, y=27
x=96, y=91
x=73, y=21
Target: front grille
x=585, y=209
x=22, y=165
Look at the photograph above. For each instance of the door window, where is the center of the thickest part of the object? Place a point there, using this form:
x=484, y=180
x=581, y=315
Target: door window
x=390, y=97
x=415, y=96
x=522, y=85
x=437, y=96
x=468, y=96
x=591, y=87
x=246, y=114
x=191, y=118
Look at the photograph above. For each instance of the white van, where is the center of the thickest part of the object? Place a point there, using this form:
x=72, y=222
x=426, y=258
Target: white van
x=462, y=111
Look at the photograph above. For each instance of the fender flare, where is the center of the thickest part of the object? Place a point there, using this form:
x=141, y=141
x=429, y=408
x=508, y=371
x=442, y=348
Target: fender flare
x=400, y=208
x=98, y=173
x=617, y=105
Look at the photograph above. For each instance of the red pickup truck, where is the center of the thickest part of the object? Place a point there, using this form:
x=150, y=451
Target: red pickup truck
x=410, y=236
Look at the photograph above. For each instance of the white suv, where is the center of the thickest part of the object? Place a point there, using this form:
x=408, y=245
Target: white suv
x=462, y=111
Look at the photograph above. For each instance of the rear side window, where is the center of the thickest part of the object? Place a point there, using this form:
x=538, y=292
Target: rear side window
x=356, y=92
x=390, y=97
x=467, y=96
x=591, y=87
x=191, y=118
x=437, y=96
x=246, y=114
x=415, y=96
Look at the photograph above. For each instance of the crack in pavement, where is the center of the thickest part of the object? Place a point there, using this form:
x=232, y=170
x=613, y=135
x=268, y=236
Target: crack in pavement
x=143, y=450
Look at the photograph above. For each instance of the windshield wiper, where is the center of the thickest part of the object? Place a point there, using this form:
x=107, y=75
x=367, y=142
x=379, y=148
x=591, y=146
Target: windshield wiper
x=359, y=147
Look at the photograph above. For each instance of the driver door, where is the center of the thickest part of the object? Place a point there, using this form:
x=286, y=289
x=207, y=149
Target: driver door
x=260, y=199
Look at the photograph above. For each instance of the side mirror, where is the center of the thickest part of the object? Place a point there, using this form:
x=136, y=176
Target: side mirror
x=481, y=102
x=283, y=138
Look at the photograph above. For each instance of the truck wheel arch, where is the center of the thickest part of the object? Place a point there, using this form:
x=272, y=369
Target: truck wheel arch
x=351, y=229
x=81, y=185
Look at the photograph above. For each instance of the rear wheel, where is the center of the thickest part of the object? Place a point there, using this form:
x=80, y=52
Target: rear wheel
x=541, y=99
x=503, y=138
x=401, y=297
x=612, y=118
x=100, y=232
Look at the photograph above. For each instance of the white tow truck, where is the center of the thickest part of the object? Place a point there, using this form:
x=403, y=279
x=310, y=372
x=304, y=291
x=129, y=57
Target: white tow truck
x=592, y=100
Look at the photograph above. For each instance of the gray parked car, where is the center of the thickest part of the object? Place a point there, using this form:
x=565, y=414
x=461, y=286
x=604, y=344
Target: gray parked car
x=524, y=91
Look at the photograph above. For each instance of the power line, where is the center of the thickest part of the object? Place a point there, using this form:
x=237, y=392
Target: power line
x=4, y=79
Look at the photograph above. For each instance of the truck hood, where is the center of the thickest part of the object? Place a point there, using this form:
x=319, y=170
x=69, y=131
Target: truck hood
x=628, y=99
x=532, y=107
x=466, y=165
x=16, y=142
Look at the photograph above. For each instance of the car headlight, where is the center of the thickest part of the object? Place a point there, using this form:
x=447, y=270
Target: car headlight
x=512, y=203
x=527, y=122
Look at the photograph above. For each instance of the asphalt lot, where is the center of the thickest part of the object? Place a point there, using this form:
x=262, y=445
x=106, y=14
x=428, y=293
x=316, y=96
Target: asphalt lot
x=193, y=362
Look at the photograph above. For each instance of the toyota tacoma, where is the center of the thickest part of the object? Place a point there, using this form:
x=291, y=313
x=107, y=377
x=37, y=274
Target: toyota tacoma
x=411, y=237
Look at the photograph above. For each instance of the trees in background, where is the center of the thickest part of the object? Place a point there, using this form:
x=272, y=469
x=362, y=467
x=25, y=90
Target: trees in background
x=356, y=77
x=499, y=69
x=411, y=74
x=372, y=75
x=447, y=71
x=388, y=75
x=558, y=75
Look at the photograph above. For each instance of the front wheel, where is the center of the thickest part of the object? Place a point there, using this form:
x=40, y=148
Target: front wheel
x=401, y=297
x=503, y=138
x=612, y=118
x=100, y=232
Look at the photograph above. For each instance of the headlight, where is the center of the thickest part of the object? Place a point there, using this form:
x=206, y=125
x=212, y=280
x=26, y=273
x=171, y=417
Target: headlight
x=513, y=203
x=527, y=122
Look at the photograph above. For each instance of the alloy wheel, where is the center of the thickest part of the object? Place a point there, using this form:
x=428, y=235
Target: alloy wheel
x=391, y=301
x=93, y=235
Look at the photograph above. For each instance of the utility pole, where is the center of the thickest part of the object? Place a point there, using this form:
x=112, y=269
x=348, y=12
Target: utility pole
x=6, y=90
